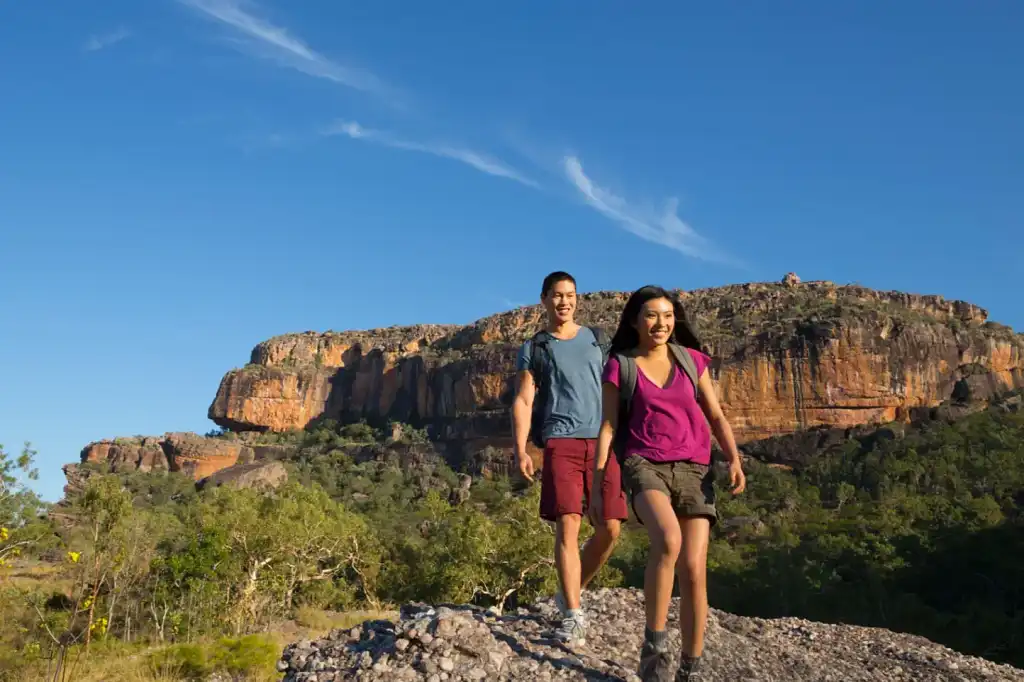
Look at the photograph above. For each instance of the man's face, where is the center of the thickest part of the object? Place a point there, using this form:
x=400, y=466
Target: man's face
x=560, y=301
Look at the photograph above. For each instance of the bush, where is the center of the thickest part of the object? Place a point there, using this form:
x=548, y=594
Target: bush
x=251, y=656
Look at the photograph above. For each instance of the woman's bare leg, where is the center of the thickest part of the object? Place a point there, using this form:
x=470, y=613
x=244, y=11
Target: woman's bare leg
x=691, y=567
x=655, y=511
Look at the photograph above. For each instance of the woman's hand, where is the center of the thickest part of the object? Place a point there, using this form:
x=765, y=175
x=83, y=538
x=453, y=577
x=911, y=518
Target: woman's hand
x=737, y=479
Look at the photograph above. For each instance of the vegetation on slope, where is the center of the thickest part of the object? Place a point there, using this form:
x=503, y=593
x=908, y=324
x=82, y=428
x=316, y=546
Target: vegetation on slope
x=921, y=532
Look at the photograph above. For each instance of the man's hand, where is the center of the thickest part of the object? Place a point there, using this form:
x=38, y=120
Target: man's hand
x=737, y=478
x=525, y=465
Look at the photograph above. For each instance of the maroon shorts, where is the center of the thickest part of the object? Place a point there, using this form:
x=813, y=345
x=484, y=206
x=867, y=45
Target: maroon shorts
x=567, y=477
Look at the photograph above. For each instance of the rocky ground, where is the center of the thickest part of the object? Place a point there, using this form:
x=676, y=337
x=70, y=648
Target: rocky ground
x=451, y=644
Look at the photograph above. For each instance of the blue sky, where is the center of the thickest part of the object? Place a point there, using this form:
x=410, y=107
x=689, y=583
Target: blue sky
x=181, y=179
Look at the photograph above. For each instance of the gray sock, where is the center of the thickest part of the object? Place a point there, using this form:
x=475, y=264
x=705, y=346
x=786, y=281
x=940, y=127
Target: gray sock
x=690, y=664
x=657, y=638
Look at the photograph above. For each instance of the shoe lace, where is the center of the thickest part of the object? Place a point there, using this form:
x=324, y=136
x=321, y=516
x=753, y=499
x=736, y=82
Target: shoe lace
x=571, y=624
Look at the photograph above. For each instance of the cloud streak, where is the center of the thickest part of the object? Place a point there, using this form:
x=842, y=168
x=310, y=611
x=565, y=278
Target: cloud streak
x=660, y=227
x=101, y=41
x=479, y=161
x=276, y=43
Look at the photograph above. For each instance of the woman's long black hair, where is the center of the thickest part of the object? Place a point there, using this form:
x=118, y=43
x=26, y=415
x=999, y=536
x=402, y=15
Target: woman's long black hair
x=627, y=337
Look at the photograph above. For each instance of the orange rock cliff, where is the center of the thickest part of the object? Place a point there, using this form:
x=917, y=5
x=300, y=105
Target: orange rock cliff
x=787, y=356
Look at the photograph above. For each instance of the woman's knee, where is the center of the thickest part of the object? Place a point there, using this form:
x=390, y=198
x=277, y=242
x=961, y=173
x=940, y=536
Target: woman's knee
x=692, y=569
x=666, y=544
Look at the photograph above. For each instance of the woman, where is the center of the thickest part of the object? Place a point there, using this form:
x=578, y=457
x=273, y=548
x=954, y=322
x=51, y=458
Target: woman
x=664, y=445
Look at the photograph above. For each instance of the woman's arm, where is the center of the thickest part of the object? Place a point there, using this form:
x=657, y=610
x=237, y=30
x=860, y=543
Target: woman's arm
x=723, y=432
x=609, y=423
x=605, y=437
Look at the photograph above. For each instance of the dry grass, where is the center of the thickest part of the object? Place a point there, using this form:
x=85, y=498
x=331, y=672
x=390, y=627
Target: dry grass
x=318, y=622
x=114, y=660
x=30, y=575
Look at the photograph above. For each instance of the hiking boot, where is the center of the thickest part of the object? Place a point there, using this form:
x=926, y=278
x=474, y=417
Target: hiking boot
x=656, y=663
x=573, y=629
x=689, y=670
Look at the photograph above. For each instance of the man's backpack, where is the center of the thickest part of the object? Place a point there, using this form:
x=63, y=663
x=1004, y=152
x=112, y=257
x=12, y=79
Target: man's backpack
x=627, y=387
x=542, y=363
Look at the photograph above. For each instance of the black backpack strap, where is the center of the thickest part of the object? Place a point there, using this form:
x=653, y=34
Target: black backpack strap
x=538, y=352
x=539, y=355
x=685, y=361
x=602, y=341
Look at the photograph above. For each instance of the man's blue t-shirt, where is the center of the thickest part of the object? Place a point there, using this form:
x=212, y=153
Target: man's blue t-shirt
x=573, y=409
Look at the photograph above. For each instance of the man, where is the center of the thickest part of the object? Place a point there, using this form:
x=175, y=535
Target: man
x=558, y=402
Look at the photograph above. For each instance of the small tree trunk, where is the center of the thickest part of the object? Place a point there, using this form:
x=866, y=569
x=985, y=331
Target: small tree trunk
x=110, y=607
x=92, y=612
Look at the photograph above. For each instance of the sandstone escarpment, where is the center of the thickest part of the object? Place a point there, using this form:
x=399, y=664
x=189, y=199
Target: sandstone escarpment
x=463, y=643
x=187, y=453
x=787, y=357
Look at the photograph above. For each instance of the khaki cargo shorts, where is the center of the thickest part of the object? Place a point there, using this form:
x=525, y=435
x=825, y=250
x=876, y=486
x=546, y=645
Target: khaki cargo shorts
x=690, y=486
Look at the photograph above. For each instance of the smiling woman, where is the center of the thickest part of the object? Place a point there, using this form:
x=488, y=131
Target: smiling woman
x=658, y=402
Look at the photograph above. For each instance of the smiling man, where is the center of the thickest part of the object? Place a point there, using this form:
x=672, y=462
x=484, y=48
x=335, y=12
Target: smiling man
x=558, y=407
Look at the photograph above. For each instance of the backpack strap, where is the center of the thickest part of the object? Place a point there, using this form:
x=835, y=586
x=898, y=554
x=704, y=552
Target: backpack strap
x=685, y=360
x=627, y=387
x=602, y=341
x=540, y=355
x=538, y=352
x=627, y=380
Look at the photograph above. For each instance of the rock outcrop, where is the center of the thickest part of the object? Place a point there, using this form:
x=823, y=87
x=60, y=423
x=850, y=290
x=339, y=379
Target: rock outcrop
x=787, y=356
x=260, y=475
x=462, y=643
x=188, y=453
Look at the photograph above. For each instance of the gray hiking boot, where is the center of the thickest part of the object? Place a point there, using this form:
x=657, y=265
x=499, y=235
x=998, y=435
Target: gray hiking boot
x=573, y=629
x=656, y=663
x=689, y=670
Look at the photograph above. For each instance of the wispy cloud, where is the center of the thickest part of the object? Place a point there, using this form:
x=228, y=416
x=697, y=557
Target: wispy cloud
x=276, y=43
x=99, y=41
x=661, y=227
x=477, y=160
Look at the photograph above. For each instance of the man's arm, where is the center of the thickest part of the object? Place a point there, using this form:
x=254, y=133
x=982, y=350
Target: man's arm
x=522, y=416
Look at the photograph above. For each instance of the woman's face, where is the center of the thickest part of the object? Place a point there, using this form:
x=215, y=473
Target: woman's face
x=656, y=322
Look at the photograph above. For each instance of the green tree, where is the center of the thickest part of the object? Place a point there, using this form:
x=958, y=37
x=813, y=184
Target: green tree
x=279, y=544
x=20, y=508
x=464, y=555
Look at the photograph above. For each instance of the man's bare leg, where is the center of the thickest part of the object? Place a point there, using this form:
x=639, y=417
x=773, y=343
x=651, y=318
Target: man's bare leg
x=567, y=557
x=598, y=549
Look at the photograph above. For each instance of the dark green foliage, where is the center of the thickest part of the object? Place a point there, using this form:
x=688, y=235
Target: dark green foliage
x=923, y=533
x=918, y=529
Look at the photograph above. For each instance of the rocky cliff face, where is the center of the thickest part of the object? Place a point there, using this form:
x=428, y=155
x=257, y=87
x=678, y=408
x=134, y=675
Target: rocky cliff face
x=462, y=643
x=187, y=453
x=787, y=357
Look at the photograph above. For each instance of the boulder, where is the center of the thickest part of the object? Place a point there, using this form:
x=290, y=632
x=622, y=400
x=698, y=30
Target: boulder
x=266, y=475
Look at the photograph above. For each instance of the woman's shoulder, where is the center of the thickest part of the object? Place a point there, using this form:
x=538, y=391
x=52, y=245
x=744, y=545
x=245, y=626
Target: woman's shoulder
x=611, y=370
x=701, y=359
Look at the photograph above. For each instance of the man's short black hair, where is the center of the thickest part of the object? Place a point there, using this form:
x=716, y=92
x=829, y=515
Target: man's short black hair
x=553, y=279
